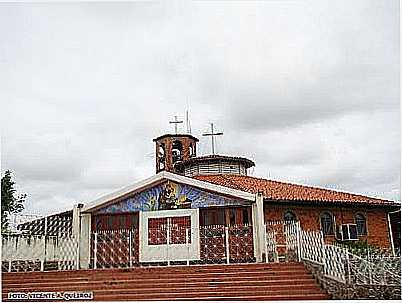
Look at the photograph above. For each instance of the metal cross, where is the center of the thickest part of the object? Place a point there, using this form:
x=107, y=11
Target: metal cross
x=175, y=122
x=212, y=134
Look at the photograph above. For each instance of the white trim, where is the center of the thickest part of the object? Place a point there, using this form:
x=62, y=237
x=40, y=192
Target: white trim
x=158, y=178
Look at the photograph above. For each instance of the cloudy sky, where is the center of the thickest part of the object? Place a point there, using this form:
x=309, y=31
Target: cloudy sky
x=307, y=89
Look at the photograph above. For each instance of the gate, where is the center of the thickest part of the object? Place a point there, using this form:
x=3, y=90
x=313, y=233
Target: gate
x=282, y=241
x=226, y=244
x=169, y=235
x=115, y=248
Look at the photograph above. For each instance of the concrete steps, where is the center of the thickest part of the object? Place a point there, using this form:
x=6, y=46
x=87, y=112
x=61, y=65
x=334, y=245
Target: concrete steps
x=283, y=281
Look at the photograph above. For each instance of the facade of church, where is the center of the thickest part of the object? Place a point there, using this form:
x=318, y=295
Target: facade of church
x=194, y=203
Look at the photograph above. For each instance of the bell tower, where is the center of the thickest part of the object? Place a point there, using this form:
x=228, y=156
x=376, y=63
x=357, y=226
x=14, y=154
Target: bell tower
x=172, y=149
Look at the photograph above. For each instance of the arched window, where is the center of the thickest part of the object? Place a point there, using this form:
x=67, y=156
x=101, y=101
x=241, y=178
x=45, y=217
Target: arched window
x=289, y=216
x=327, y=223
x=360, y=221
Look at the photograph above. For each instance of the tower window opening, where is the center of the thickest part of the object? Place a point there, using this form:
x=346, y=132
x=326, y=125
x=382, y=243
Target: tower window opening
x=191, y=151
x=177, y=151
x=161, y=156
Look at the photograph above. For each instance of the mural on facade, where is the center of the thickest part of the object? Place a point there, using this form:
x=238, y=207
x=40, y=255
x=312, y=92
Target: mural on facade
x=168, y=195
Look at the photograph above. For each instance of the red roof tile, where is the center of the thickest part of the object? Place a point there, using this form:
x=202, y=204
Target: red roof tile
x=289, y=192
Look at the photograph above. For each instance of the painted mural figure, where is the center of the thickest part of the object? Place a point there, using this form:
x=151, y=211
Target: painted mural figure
x=168, y=198
x=169, y=195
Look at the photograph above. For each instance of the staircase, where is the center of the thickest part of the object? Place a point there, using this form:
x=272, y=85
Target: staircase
x=271, y=281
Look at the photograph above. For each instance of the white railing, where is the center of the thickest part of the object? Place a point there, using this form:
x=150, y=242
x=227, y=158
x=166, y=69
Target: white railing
x=271, y=251
x=334, y=259
x=363, y=272
x=312, y=246
x=293, y=238
x=337, y=261
x=342, y=265
x=282, y=241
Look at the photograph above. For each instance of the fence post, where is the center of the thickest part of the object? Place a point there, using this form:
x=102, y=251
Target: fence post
x=130, y=254
x=10, y=239
x=227, y=244
x=298, y=241
x=368, y=261
x=168, y=240
x=323, y=252
x=347, y=264
x=266, y=244
x=42, y=263
x=78, y=237
x=95, y=249
x=188, y=248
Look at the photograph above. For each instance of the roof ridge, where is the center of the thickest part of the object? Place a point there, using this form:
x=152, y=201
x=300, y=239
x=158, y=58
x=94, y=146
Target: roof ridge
x=320, y=188
x=301, y=186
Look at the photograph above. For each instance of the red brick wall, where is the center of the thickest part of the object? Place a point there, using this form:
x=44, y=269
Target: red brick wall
x=309, y=216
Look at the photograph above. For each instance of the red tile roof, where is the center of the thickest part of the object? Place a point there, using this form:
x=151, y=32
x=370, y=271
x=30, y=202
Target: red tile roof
x=289, y=192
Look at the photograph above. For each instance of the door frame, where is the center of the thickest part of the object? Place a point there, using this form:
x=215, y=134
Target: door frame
x=169, y=252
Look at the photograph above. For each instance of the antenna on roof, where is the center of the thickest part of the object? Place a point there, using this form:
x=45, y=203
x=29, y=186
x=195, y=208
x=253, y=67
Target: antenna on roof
x=188, y=123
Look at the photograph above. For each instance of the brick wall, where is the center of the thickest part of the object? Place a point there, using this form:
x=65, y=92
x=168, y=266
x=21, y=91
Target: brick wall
x=309, y=216
x=168, y=143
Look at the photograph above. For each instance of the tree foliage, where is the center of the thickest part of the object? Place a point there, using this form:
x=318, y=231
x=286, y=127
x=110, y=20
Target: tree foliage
x=11, y=202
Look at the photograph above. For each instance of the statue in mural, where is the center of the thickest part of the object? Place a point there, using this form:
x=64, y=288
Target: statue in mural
x=168, y=198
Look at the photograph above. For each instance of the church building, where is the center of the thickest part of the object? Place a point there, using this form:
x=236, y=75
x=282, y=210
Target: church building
x=203, y=228
x=195, y=206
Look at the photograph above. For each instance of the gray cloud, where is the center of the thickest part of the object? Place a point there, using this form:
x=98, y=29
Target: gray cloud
x=307, y=89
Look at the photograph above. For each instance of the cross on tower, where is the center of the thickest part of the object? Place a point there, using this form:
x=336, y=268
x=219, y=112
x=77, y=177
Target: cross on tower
x=175, y=122
x=212, y=134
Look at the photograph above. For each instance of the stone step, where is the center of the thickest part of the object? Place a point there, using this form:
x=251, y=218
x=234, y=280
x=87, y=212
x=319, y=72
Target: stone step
x=193, y=268
x=215, y=294
x=158, y=276
x=279, y=281
x=166, y=287
x=139, y=281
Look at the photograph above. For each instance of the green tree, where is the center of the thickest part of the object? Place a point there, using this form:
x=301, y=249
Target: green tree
x=11, y=202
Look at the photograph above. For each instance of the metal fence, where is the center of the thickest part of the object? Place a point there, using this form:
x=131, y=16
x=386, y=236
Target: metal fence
x=345, y=266
x=25, y=252
x=218, y=244
x=282, y=241
x=40, y=244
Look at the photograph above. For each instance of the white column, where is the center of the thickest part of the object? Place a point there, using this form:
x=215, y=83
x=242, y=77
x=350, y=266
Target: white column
x=257, y=250
x=258, y=226
x=76, y=221
x=391, y=238
x=85, y=240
